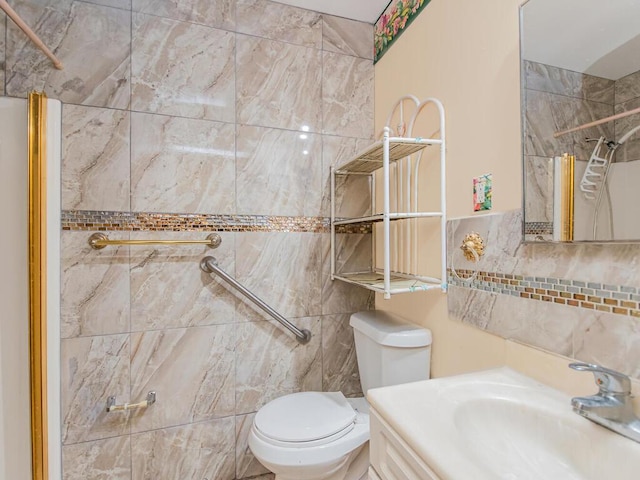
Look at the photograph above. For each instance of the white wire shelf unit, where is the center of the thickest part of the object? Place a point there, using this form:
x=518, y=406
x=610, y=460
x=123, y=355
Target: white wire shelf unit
x=399, y=159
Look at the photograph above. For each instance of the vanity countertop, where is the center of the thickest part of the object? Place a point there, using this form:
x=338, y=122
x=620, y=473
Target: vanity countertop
x=500, y=424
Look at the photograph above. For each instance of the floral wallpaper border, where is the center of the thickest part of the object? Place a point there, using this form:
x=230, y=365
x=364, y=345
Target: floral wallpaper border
x=393, y=21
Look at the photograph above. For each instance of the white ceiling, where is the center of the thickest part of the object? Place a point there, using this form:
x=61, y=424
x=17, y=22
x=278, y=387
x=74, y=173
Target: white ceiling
x=362, y=10
x=589, y=36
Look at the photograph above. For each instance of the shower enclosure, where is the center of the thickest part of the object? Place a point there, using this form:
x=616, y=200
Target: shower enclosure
x=604, y=179
x=29, y=433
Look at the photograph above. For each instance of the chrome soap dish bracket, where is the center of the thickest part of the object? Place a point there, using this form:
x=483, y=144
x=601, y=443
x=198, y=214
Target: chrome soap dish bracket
x=147, y=402
x=472, y=248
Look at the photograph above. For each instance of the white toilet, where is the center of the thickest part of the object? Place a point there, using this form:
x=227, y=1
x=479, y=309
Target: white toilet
x=325, y=436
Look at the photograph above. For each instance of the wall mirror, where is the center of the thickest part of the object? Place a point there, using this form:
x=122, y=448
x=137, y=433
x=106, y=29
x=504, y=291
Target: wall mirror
x=580, y=67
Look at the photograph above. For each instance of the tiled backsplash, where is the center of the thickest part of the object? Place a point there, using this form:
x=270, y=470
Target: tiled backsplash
x=580, y=301
x=616, y=299
x=183, y=116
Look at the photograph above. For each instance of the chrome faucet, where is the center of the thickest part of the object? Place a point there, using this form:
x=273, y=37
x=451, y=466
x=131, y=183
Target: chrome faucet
x=611, y=407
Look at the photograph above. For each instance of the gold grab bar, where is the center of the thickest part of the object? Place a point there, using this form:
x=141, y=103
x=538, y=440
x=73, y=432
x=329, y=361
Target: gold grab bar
x=112, y=407
x=98, y=241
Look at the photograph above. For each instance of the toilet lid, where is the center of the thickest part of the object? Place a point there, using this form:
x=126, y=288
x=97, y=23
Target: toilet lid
x=305, y=416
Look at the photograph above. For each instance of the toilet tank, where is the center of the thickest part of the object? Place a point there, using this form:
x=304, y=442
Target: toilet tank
x=389, y=349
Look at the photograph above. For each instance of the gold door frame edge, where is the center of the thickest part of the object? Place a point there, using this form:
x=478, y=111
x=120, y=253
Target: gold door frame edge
x=37, y=119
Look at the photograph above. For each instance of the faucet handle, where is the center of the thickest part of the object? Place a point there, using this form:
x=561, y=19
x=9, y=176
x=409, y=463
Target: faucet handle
x=609, y=381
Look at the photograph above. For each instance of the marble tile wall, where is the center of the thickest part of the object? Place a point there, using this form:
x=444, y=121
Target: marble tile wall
x=606, y=274
x=556, y=99
x=3, y=30
x=182, y=115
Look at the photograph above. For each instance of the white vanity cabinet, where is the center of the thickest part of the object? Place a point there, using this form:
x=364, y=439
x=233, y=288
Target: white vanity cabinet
x=391, y=457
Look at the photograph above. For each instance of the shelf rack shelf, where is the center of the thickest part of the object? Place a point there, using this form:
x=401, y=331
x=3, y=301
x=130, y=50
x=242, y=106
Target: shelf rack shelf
x=399, y=282
x=379, y=156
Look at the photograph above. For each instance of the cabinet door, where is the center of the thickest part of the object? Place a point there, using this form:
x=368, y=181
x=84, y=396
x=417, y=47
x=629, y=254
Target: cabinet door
x=391, y=457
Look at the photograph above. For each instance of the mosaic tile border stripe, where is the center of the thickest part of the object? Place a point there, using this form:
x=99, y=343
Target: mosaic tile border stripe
x=175, y=222
x=538, y=228
x=617, y=299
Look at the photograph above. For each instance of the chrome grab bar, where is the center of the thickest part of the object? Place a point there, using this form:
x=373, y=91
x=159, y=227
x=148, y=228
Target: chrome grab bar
x=210, y=265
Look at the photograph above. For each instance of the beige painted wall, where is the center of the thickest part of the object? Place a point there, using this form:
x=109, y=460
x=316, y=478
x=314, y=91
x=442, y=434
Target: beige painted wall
x=465, y=53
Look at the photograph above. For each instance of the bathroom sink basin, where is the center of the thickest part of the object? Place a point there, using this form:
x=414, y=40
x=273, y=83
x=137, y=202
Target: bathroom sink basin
x=499, y=424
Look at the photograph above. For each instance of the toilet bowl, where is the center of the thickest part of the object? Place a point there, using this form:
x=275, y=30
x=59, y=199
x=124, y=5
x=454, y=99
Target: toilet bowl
x=313, y=436
x=325, y=436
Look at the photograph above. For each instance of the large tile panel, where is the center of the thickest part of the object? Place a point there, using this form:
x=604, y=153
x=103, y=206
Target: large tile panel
x=544, y=325
x=283, y=269
x=278, y=84
x=627, y=88
x=629, y=151
x=97, y=74
x=247, y=466
x=546, y=78
x=278, y=172
x=611, y=264
x=353, y=192
x=219, y=13
x=182, y=165
x=340, y=366
x=611, y=340
x=264, y=18
x=93, y=369
x=190, y=369
x=178, y=68
x=564, y=112
x=270, y=363
x=3, y=44
x=341, y=35
x=347, y=96
x=199, y=451
x=502, y=234
x=169, y=290
x=95, y=287
x=354, y=254
x=95, y=158
x=108, y=459
x=538, y=189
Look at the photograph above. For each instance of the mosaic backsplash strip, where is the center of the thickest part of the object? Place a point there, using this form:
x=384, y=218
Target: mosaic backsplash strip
x=176, y=222
x=621, y=300
x=538, y=228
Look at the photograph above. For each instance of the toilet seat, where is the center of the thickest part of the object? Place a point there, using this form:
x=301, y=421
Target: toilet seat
x=320, y=455
x=305, y=419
